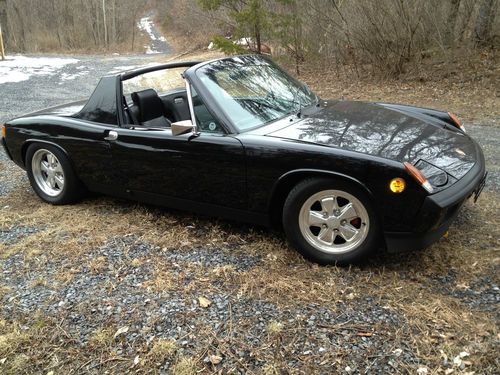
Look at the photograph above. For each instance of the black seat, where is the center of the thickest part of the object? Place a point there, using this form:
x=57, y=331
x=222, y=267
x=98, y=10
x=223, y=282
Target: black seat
x=150, y=109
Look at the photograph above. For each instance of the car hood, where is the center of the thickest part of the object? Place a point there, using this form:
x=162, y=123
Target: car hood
x=395, y=132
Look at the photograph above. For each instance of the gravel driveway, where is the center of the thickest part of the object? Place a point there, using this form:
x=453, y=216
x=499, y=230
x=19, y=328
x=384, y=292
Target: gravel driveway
x=122, y=287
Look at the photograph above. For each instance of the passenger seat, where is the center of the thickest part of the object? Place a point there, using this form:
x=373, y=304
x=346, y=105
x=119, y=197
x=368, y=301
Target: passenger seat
x=150, y=109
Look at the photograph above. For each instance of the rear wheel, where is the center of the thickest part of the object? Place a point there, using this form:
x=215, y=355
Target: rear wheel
x=330, y=222
x=51, y=175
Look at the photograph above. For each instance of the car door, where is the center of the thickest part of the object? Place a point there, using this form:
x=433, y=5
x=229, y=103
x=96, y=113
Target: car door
x=209, y=168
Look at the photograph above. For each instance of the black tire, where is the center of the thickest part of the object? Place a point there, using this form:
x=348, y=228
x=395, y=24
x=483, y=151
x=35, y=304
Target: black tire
x=303, y=192
x=72, y=191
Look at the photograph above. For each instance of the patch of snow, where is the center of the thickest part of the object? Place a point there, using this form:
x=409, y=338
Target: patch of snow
x=118, y=69
x=150, y=51
x=246, y=42
x=20, y=68
x=70, y=77
x=73, y=76
x=146, y=24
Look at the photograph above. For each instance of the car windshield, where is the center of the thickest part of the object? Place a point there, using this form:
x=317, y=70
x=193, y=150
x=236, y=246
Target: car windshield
x=253, y=91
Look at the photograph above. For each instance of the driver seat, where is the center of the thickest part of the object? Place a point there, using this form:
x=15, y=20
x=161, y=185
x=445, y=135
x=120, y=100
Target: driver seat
x=150, y=109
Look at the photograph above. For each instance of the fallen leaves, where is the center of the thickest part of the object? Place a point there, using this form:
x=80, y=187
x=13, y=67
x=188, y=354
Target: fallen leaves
x=365, y=334
x=204, y=302
x=120, y=331
x=215, y=359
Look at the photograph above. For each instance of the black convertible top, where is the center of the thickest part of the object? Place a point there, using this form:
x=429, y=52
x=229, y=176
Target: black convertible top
x=102, y=104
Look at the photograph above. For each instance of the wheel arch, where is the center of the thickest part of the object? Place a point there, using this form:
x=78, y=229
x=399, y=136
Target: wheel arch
x=290, y=179
x=30, y=141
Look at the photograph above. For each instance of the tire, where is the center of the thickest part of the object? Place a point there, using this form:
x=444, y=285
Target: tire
x=330, y=221
x=51, y=175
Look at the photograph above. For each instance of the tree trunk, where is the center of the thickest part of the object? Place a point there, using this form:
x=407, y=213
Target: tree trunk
x=104, y=23
x=113, y=27
x=3, y=19
x=2, y=50
x=22, y=39
x=97, y=23
x=258, y=39
x=452, y=20
x=482, y=30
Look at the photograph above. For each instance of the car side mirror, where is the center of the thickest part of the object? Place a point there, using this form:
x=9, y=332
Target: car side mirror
x=182, y=127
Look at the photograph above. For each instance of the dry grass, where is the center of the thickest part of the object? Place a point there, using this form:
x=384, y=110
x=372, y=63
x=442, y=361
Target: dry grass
x=185, y=366
x=163, y=349
x=102, y=338
x=12, y=341
x=275, y=328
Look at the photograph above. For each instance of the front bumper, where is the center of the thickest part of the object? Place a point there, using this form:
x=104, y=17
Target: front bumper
x=439, y=210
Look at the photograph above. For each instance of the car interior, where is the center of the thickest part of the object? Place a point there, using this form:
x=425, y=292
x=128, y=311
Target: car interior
x=149, y=109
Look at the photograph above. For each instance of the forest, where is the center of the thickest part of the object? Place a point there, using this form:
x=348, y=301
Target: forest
x=386, y=37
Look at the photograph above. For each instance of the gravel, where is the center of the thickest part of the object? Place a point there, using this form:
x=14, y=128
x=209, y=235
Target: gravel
x=483, y=294
x=115, y=297
x=12, y=235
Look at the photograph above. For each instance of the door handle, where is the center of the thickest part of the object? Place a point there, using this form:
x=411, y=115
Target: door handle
x=112, y=136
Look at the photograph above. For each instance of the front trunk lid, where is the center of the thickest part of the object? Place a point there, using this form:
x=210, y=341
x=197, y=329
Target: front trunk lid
x=393, y=132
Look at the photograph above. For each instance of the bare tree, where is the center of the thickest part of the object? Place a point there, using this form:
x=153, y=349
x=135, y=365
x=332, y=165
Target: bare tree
x=484, y=22
x=452, y=21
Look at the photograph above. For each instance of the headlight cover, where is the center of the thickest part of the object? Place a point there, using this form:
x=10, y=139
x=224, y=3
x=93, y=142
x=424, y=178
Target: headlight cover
x=436, y=176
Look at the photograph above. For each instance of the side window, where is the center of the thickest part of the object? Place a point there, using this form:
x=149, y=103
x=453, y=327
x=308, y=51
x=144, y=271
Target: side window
x=204, y=119
x=162, y=81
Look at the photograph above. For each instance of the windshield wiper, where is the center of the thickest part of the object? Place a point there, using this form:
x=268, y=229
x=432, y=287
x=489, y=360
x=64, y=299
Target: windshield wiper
x=297, y=100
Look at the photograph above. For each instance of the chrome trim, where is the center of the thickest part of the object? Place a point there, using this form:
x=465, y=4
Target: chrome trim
x=191, y=107
x=112, y=136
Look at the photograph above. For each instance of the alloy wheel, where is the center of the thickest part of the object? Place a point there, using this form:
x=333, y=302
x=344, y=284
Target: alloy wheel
x=334, y=221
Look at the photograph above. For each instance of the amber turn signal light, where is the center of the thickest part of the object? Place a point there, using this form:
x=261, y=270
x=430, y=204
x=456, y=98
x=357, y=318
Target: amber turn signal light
x=456, y=121
x=4, y=131
x=397, y=185
x=419, y=176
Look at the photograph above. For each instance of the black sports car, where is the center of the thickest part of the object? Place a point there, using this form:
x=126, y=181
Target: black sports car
x=238, y=137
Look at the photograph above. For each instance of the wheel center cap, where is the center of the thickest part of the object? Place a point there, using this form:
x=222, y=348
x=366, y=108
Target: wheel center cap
x=333, y=222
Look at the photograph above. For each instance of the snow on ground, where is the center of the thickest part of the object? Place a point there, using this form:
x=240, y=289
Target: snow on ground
x=150, y=50
x=72, y=76
x=119, y=69
x=146, y=25
x=20, y=68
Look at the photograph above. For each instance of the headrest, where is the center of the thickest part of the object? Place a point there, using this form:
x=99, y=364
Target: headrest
x=149, y=104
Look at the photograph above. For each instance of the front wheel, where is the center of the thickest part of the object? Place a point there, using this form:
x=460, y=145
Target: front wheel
x=330, y=222
x=51, y=175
